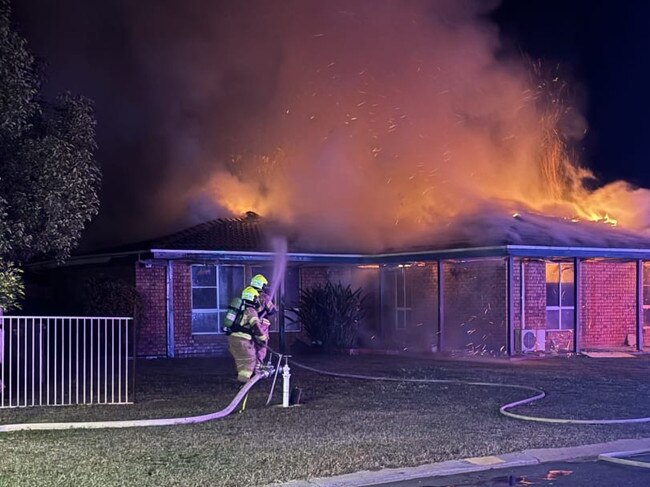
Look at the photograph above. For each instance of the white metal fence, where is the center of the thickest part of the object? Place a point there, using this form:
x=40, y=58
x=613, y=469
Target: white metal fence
x=66, y=360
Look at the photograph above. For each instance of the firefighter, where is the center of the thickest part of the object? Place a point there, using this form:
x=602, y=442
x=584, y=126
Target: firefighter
x=265, y=309
x=244, y=334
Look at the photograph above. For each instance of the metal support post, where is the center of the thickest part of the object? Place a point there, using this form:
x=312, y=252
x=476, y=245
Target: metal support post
x=441, y=307
x=577, y=314
x=639, y=305
x=510, y=300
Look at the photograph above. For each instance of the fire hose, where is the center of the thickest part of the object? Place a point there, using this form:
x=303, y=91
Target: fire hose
x=241, y=395
x=504, y=410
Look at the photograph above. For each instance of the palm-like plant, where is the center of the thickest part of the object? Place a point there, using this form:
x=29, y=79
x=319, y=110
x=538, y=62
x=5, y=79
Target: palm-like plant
x=330, y=314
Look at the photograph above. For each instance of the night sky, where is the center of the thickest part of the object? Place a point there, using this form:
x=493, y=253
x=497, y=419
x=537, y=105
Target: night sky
x=95, y=49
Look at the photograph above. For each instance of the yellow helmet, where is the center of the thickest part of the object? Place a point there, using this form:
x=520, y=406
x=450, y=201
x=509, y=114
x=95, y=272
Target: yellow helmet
x=259, y=282
x=250, y=294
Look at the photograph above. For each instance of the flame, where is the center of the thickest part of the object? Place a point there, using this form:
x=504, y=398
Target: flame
x=384, y=142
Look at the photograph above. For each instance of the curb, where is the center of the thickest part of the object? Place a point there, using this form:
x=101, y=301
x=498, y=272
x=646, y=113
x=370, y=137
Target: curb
x=468, y=465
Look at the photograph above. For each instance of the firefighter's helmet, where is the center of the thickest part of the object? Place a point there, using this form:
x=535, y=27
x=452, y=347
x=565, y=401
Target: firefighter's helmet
x=259, y=282
x=250, y=294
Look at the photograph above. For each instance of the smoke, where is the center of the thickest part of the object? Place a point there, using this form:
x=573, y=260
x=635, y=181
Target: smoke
x=364, y=125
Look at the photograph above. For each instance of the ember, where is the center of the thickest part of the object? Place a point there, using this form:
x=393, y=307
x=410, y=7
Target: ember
x=389, y=124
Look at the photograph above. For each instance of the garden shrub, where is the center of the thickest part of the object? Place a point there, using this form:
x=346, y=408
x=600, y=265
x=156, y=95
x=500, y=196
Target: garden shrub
x=330, y=315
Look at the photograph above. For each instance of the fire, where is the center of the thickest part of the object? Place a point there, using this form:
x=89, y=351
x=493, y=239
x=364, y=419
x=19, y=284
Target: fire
x=387, y=142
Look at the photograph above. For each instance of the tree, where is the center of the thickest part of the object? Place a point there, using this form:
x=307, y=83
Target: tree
x=49, y=178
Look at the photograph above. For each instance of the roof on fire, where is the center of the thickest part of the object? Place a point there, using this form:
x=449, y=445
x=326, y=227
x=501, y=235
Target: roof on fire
x=527, y=235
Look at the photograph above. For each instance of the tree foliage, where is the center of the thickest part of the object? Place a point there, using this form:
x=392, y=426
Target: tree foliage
x=106, y=296
x=330, y=314
x=49, y=178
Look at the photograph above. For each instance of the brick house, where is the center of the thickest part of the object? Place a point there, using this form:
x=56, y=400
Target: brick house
x=496, y=299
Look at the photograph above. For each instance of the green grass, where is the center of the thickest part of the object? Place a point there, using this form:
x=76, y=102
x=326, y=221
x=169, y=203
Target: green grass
x=344, y=425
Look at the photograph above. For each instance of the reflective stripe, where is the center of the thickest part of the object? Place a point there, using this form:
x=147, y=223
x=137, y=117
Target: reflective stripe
x=239, y=334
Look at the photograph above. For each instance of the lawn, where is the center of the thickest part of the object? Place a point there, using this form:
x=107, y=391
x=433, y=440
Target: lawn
x=343, y=426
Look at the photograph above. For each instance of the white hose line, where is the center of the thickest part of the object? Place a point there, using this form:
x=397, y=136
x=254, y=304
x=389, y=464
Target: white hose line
x=614, y=458
x=138, y=422
x=539, y=394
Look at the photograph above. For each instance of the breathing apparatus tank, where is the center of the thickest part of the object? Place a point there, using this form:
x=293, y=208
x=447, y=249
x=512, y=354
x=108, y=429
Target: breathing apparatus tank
x=233, y=314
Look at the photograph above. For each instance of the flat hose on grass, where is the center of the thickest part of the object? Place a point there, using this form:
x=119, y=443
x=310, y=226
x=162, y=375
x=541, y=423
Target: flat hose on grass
x=138, y=422
x=539, y=394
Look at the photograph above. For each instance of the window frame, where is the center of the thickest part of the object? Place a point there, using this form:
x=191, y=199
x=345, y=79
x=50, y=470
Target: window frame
x=559, y=308
x=221, y=307
x=403, y=310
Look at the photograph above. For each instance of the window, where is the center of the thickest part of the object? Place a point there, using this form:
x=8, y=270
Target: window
x=212, y=289
x=291, y=295
x=560, y=296
x=646, y=293
x=401, y=290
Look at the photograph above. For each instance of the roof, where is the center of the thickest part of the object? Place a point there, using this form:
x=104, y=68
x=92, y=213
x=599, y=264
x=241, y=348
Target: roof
x=495, y=235
x=246, y=233
x=243, y=234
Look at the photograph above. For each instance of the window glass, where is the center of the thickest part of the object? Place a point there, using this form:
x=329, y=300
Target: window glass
x=401, y=320
x=231, y=283
x=291, y=287
x=204, y=298
x=204, y=275
x=205, y=322
x=568, y=294
x=407, y=286
x=567, y=318
x=552, y=319
x=646, y=273
x=567, y=273
x=646, y=295
x=646, y=316
x=399, y=287
x=552, y=272
x=552, y=294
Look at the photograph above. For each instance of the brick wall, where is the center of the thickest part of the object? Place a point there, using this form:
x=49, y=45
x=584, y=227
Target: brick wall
x=608, y=304
x=185, y=343
x=151, y=328
x=535, y=294
x=535, y=312
x=475, y=306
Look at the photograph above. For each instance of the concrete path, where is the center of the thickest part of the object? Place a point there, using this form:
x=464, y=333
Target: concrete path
x=466, y=465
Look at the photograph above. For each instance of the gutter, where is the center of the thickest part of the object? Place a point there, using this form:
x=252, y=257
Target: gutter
x=428, y=255
x=341, y=258
x=225, y=255
x=559, y=251
x=89, y=259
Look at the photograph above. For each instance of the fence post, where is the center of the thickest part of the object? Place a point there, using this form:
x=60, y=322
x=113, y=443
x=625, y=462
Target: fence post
x=2, y=355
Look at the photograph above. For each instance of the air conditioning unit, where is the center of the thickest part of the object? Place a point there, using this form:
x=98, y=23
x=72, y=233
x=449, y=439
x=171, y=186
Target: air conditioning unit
x=533, y=340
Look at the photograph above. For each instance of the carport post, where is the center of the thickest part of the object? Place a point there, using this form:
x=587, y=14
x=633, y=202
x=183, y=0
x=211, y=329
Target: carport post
x=577, y=277
x=169, y=288
x=639, y=305
x=441, y=307
x=281, y=328
x=510, y=296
